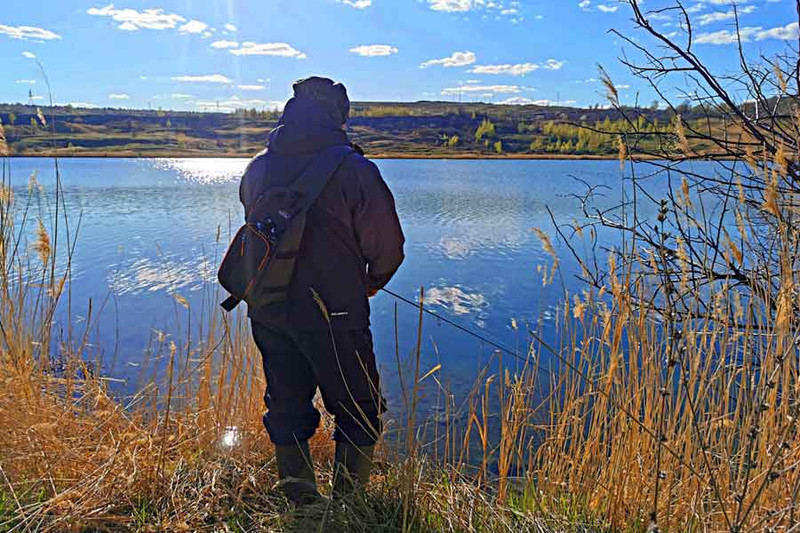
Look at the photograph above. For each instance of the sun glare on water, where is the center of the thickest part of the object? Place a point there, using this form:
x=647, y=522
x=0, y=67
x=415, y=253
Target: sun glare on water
x=205, y=171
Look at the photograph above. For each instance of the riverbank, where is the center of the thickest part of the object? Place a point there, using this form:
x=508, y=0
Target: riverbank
x=386, y=155
x=105, y=468
x=424, y=130
x=94, y=464
x=624, y=424
x=186, y=451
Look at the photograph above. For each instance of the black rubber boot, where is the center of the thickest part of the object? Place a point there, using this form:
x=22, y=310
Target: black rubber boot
x=351, y=468
x=296, y=477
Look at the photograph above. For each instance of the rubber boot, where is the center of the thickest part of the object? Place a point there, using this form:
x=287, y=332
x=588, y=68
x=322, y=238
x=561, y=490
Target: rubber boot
x=351, y=468
x=296, y=477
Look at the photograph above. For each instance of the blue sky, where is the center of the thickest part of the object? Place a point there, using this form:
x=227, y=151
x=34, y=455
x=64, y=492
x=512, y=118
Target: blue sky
x=196, y=55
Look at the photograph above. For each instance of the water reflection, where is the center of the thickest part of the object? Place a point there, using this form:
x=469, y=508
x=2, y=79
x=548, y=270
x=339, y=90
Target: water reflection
x=203, y=171
x=453, y=248
x=161, y=274
x=150, y=228
x=456, y=300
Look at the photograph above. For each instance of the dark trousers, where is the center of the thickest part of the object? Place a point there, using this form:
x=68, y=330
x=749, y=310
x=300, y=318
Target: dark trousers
x=342, y=365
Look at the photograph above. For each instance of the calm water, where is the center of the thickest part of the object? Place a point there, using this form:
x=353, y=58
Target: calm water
x=148, y=229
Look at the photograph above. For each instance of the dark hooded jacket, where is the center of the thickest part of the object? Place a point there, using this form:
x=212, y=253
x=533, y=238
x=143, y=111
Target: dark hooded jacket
x=353, y=242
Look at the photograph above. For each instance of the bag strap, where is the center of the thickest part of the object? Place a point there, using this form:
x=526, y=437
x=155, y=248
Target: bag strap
x=230, y=303
x=309, y=185
x=318, y=173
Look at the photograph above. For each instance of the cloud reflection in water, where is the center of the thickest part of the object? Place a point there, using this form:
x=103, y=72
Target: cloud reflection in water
x=456, y=300
x=161, y=274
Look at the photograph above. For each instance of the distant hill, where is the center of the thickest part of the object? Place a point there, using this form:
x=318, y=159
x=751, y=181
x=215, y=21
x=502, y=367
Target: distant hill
x=419, y=129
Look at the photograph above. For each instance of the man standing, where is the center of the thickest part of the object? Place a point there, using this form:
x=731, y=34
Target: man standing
x=320, y=337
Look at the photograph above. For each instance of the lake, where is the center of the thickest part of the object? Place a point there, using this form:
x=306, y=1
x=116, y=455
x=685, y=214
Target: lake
x=148, y=230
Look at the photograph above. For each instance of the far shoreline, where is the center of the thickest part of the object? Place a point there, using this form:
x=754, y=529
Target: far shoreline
x=388, y=155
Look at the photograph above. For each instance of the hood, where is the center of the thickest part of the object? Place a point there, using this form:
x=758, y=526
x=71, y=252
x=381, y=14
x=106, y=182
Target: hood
x=305, y=127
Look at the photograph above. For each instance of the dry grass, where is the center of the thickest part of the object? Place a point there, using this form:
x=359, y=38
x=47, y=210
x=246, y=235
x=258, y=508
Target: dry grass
x=692, y=430
x=642, y=422
x=186, y=451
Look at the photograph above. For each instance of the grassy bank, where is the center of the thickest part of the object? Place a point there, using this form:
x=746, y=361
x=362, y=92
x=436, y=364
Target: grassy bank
x=442, y=130
x=186, y=451
x=636, y=421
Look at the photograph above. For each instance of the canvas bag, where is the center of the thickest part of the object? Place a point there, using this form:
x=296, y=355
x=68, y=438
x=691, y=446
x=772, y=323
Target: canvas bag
x=259, y=263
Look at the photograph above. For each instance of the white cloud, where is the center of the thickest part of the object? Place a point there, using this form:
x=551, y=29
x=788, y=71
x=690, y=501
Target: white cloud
x=586, y=5
x=451, y=6
x=661, y=17
x=236, y=101
x=231, y=27
x=605, y=8
x=193, y=26
x=519, y=69
x=554, y=64
x=208, y=78
x=252, y=87
x=719, y=16
x=28, y=82
x=521, y=100
x=374, y=50
x=267, y=49
x=227, y=105
x=131, y=19
x=747, y=34
x=485, y=90
x=784, y=33
x=724, y=36
x=118, y=96
x=498, y=8
x=29, y=55
x=458, y=59
x=358, y=4
x=224, y=44
x=518, y=100
x=181, y=96
x=28, y=33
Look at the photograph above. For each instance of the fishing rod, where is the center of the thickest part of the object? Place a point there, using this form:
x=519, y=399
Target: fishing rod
x=580, y=373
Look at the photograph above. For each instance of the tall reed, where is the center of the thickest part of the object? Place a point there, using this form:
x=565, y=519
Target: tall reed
x=186, y=451
x=631, y=420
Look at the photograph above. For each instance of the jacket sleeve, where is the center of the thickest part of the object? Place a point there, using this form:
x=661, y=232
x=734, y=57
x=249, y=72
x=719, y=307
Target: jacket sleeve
x=377, y=226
